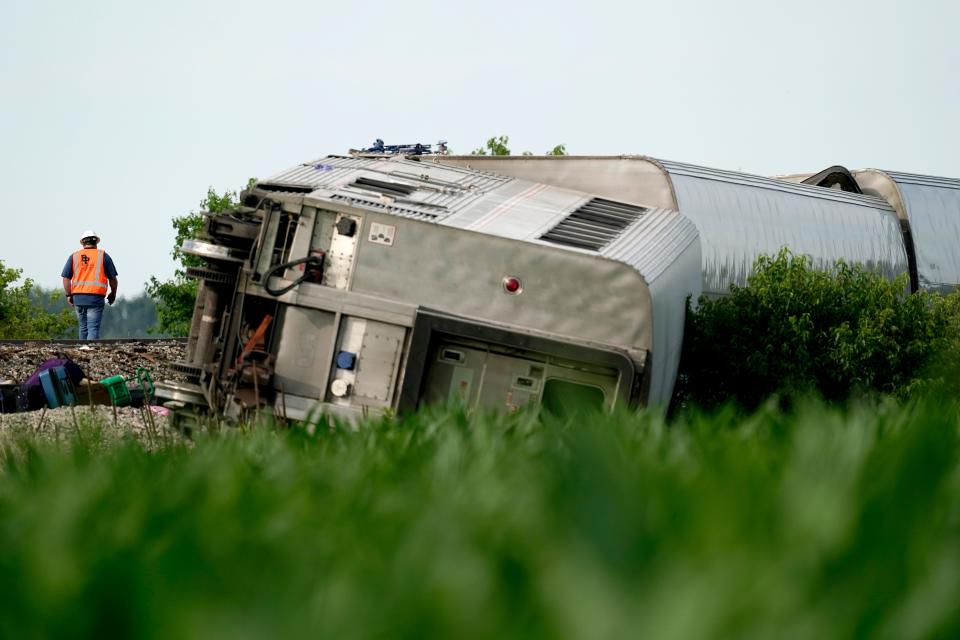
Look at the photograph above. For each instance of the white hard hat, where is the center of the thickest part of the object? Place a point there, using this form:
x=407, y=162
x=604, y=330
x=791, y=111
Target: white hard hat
x=89, y=233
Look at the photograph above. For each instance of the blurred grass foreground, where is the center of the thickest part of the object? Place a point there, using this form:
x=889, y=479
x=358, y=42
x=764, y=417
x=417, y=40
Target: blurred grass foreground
x=826, y=523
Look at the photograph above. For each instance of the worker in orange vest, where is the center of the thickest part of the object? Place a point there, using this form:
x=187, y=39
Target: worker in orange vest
x=85, y=279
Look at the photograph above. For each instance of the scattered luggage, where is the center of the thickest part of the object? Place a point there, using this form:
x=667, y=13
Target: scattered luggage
x=57, y=387
x=60, y=382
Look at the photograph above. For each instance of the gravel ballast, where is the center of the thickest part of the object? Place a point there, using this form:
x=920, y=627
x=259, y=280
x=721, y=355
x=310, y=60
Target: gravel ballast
x=98, y=360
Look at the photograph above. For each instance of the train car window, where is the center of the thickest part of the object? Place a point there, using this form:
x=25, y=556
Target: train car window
x=563, y=398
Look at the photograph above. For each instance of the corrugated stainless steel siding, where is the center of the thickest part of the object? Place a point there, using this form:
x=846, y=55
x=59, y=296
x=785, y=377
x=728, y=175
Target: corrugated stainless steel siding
x=740, y=217
x=933, y=208
x=664, y=247
x=439, y=191
x=772, y=184
x=653, y=242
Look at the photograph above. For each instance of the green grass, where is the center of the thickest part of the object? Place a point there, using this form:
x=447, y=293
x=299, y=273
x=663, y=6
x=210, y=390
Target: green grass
x=826, y=523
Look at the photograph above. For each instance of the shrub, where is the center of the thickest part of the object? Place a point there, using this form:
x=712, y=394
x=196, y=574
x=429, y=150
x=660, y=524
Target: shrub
x=21, y=317
x=794, y=330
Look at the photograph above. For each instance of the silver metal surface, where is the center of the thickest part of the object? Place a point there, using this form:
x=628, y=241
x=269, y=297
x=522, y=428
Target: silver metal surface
x=740, y=220
x=739, y=216
x=664, y=246
x=932, y=207
x=181, y=392
x=378, y=362
x=209, y=250
x=305, y=350
x=338, y=264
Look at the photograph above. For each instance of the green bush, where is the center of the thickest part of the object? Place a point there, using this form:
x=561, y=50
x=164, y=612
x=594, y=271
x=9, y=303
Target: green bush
x=20, y=315
x=795, y=330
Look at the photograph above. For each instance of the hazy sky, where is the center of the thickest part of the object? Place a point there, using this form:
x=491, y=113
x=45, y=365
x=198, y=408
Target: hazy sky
x=119, y=115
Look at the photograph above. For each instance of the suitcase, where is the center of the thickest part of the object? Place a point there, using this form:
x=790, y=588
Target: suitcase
x=67, y=393
x=57, y=387
x=50, y=387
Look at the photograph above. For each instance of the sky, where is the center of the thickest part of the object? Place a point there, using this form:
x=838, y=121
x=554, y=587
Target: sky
x=118, y=116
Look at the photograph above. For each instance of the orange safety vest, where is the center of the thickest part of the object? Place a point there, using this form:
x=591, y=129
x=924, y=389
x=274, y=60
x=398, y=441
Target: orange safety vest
x=89, y=273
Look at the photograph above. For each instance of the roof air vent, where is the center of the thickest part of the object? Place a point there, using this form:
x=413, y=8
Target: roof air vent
x=279, y=187
x=594, y=225
x=392, y=189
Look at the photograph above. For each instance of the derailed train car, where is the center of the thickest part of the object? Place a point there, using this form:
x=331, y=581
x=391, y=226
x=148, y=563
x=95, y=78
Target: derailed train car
x=359, y=284
x=739, y=216
x=928, y=208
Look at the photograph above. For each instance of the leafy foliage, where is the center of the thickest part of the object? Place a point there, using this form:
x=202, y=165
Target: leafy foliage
x=21, y=317
x=497, y=146
x=825, y=523
x=794, y=330
x=175, y=297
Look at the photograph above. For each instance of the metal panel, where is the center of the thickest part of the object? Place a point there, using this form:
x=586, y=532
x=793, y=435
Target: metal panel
x=378, y=363
x=340, y=257
x=664, y=246
x=739, y=221
x=738, y=215
x=378, y=347
x=636, y=179
x=932, y=206
x=303, y=357
x=432, y=193
x=566, y=292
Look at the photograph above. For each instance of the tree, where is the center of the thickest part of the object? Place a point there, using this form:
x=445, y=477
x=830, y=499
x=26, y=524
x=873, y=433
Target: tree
x=175, y=297
x=21, y=317
x=794, y=330
x=497, y=146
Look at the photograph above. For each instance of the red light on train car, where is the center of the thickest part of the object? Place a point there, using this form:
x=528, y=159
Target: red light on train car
x=512, y=285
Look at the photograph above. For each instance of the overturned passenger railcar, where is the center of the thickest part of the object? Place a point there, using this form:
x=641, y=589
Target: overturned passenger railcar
x=739, y=216
x=929, y=211
x=359, y=284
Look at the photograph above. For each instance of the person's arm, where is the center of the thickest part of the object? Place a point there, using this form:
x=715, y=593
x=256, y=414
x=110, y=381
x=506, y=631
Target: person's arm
x=67, y=274
x=110, y=270
x=66, y=290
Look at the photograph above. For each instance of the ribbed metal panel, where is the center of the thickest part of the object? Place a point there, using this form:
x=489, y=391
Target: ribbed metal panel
x=422, y=190
x=770, y=184
x=594, y=225
x=933, y=208
x=664, y=247
x=654, y=242
x=741, y=217
x=384, y=207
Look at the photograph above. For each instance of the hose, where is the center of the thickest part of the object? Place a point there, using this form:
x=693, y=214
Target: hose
x=310, y=262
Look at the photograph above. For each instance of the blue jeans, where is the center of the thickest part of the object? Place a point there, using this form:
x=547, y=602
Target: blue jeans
x=89, y=317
